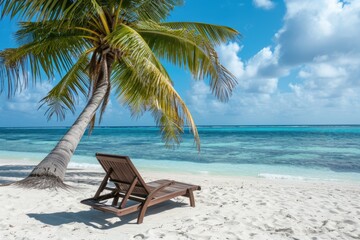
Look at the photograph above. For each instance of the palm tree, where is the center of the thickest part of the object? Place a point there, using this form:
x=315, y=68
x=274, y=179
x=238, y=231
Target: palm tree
x=98, y=45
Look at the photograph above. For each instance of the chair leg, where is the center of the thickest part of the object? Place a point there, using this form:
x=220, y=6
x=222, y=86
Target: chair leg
x=103, y=183
x=149, y=198
x=116, y=198
x=141, y=214
x=190, y=194
x=143, y=211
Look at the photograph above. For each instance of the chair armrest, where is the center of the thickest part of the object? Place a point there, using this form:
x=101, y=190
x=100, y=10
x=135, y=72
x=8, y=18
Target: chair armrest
x=151, y=194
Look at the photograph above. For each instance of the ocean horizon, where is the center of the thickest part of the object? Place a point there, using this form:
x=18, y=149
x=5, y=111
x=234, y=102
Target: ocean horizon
x=304, y=152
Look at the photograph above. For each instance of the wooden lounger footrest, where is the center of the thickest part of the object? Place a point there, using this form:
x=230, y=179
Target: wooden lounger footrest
x=109, y=208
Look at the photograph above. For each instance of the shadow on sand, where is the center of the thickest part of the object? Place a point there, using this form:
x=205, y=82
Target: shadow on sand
x=98, y=219
x=13, y=173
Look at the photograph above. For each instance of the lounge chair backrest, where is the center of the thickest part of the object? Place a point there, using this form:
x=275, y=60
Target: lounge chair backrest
x=123, y=172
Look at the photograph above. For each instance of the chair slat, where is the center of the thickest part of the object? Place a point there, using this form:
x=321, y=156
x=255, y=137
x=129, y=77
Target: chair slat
x=129, y=185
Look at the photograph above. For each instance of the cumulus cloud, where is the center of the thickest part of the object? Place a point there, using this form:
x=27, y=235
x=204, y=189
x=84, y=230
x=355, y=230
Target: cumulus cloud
x=256, y=85
x=322, y=39
x=27, y=101
x=318, y=28
x=264, y=4
x=25, y=105
x=315, y=55
x=229, y=56
x=202, y=102
x=258, y=74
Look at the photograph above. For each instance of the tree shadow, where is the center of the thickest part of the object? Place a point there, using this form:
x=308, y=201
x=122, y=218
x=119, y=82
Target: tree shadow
x=12, y=173
x=98, y=219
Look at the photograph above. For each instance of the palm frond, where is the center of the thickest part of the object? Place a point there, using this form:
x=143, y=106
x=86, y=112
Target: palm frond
x=48, y=30
x=38, y=9
x=144, y=87
x=187, y=49
x=13, y=71
x=172, y=127
x=102, y=16
x=156, y=10
x=44, y=51
x=131, y=44
x=64, y=95
x=213, y=33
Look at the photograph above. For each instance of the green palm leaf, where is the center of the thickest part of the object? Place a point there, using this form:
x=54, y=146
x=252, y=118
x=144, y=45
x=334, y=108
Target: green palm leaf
x=131, y=44
x=188, y=49
x=44, y=50
x=63, y=96
x=38, y=9
x=213, y=33
x=155, y=10
x=144, y=87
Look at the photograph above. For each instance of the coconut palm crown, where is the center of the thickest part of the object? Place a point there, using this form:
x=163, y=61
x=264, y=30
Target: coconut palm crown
x=97, y=46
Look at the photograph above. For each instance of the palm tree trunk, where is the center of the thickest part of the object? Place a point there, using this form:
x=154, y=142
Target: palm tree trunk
x=50, y=172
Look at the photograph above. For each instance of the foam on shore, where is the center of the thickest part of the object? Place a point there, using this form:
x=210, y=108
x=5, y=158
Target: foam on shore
x=283, y=172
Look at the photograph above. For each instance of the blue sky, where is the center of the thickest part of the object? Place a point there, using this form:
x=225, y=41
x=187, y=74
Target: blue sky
x=298, y=62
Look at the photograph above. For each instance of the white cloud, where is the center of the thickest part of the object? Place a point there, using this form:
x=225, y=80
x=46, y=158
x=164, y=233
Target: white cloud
x=25, y=105
x=256, y=85
x=27, y=101
x=317, y=28
x=202, y=102
x=316, y=53
x=257, y=74
x=265, y=4
x=322, y=39
x=229, y=57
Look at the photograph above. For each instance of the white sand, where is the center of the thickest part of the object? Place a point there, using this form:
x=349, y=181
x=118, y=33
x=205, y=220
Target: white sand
x=226, y=208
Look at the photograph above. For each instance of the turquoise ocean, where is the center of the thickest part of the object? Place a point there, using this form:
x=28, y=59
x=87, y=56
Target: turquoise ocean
x=288, y=152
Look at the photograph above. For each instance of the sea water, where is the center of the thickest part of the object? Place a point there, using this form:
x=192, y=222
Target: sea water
x=287, y=152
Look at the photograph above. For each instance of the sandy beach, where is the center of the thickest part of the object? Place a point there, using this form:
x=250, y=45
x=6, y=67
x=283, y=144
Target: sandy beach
x=256, y=103
x=226, y=208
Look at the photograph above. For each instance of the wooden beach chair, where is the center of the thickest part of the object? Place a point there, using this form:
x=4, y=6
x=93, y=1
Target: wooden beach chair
x=129, y=185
